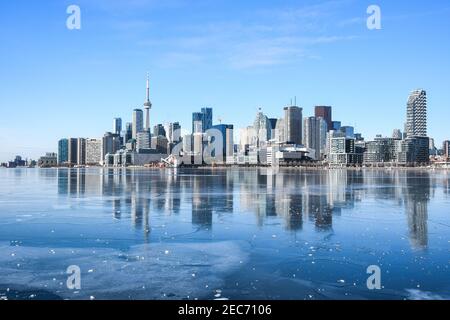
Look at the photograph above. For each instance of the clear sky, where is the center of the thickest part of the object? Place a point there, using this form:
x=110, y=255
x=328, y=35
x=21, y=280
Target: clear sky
x=234, y=56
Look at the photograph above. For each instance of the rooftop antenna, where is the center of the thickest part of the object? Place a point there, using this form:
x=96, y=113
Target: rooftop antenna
x=295, y=101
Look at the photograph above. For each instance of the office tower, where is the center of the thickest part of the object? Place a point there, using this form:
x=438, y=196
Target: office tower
x=262, y=129
x=138, y=124
x=110, y=144
x=226, y=131
x=207, y=118
x=159, y=144
x=117, y=126
x=63, y=151
x=397, y=134
x=279, y=135
x=446, y=149
x=143, y=140
x=336, y=125
x=348, y=131
x=127, y=134
x=147, y=105
x=202, y=121
x=72, y=151
x=159, y=130
x=94, y=151
x=197, y=122
x=325, y=112
x=173, y=132
x=273, y=126
x=293, y=118
x=432, y=148
x=197, y=147
x=81, y=151
x=416, y=118
x=314, y=135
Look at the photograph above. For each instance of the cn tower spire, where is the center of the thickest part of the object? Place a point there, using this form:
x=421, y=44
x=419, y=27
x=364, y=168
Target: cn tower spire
x=147, y=105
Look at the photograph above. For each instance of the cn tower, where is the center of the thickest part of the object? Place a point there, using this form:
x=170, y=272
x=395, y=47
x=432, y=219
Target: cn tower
x=147, y=106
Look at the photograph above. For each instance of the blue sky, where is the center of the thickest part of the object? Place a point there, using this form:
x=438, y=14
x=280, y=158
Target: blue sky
x=234, y=56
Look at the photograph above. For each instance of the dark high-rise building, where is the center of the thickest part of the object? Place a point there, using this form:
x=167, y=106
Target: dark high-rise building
x=202, y=121
x=110, y=144
x=293, y=123
x=73, y=151
x=446, y=149
x=138, y=122
x=81, y=151
x=127, y=135
x=117, y=126
x=159, y=130
x=63, y=151
x=207, y=118
x=227, y=139
x=197, y=122
x=326, y=113
x=336, y=125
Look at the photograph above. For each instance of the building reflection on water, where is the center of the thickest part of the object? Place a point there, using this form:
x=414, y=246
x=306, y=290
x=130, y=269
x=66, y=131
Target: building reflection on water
x=294, y=197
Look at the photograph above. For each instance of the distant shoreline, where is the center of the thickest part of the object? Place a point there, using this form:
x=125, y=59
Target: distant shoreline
x=297, y=168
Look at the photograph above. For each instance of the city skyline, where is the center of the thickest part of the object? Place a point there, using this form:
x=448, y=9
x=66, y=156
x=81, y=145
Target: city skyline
x=363, y=74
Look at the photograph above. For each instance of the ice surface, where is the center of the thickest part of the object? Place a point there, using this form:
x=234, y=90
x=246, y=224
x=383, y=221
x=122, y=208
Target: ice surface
x=111, y=273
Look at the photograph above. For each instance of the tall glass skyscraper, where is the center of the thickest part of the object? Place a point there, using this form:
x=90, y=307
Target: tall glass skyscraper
x=138, y=122
x=117, y=126
x=202, y=121
x=293, y=118
x=416, y=118
x=63, y=151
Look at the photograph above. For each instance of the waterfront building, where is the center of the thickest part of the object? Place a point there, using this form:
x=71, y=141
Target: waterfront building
x=314, y=136
x=73, y=151
x=50, y=160
x=414, y=151
x=63, y=151
x=382, y=150
x=81, y=151
x=446, y=149
x=416, y=119
x=143, y=140
x=94, y=151
x=344, y=153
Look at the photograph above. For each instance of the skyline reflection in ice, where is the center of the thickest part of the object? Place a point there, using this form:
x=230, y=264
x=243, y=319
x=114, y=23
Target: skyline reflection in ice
x=297, y=234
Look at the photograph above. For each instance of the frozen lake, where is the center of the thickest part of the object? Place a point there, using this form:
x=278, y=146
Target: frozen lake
x=224, y=234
